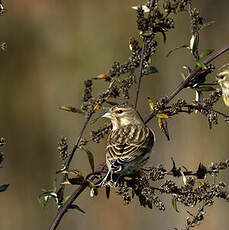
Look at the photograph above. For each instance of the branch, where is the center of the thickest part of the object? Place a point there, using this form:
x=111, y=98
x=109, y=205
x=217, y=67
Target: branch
x=140, y=74
x=63, y=209
x=190, y=77
x=76, y=146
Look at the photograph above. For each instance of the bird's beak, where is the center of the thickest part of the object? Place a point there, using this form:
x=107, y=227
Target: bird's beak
x=107, y=115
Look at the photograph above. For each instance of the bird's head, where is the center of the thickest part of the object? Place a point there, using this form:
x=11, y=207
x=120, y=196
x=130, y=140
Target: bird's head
x=122, y=115
x=223, y=74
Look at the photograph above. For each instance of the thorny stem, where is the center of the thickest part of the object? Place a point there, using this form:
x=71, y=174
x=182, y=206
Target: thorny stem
x=190, y=77
x=140, y=75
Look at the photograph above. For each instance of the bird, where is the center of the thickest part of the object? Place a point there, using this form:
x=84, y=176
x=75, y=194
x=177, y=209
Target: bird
x=129, y=144
x=223, y=80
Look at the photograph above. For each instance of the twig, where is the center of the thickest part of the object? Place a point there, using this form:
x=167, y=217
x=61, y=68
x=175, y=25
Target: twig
x=190, y=77
x=140, y=74
x=76, y=146
x=197, y=218
x=152, y=2
x=63, y=209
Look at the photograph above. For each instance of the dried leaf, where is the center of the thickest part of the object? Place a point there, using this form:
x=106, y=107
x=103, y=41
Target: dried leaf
x=96, y=107
x=162, y=115
x=71, y=109
x=108, y=190
x=101, y=76
x=201, y=172
x=163, y=127
x=74, y=206
x=194, y=42
x=144, y=8
x=90, y=158
x=4, y=187
x=93, y=189
x=184, y=178
x=66, y=182
x=151, y=105
x=174, y=204
x=199, y=96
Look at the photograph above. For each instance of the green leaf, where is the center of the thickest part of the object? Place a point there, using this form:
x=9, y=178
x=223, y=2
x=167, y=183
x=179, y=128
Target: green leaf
x=100, y=114
x=207, y=24
x=150, y=70
x=4, y=187
x=74, y=206
x=201, y=64
x=177, y=48
x=146, y=33
x=184, y=76
x=90, y=158
x=206, y=89
x=206, y=53
x=46, y=196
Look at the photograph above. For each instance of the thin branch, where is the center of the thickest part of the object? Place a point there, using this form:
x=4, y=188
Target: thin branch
x=63, y=209
x=140, y=74
x=190, y=77
x=76, y=146
x=152, y=2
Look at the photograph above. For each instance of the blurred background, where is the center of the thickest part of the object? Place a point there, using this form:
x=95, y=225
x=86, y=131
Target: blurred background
x=53, y=46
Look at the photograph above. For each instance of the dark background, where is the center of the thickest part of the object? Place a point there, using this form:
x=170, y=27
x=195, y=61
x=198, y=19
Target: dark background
x=53, y=46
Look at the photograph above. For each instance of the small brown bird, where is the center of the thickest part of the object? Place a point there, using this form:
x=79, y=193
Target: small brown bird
x=129, y=144
x=223, y=80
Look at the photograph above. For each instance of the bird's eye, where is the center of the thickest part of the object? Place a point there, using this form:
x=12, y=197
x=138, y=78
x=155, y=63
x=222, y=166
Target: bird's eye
x=119, y=111
x=220, y=76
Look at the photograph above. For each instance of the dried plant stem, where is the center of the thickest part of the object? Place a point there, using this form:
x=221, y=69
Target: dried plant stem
x=62, y=210
x=190, y=77
x=76, y=146
x=140, y=75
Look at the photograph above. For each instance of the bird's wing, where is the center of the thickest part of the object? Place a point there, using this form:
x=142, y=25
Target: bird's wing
x=127, y=143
